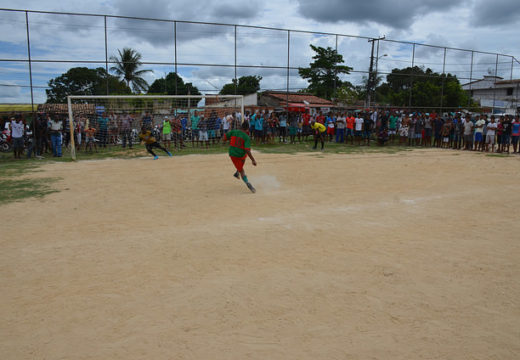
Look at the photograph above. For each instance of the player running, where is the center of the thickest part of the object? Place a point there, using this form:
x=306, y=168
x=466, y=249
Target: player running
x=150, y=142
x=239, y=148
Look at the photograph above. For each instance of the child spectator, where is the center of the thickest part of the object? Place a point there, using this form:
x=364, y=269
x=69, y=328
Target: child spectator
x=330, y=126
x=90, y=141
x=490, y=135
x=350, y=128
x=479, y=132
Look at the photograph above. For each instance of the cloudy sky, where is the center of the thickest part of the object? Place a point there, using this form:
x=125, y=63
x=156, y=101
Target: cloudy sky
x=480, y=25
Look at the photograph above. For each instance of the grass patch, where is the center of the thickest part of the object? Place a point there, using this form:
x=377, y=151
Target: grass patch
x=15, y=186
x=117, y=152
x=19, y=189
x=498, y=155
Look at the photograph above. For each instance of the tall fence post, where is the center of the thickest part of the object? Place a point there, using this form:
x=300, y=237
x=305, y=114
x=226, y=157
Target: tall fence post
x=288, y=71
x=106, y=53
x=29, y=58
x=335, y=68
x=411, y=77
x=236, y=79
x=495, y=85
x=175, y=49
x=443, y=79
x=470, y=97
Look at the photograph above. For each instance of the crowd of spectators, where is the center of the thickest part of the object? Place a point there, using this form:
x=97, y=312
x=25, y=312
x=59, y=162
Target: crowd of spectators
x=456, y=130
x=478, y=132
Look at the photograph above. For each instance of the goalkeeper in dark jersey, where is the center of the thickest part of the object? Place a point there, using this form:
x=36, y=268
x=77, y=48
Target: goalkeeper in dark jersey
x=150, y=142
x=239, y=149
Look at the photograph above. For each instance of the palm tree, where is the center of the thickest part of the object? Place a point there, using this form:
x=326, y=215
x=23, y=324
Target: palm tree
x=126, y=66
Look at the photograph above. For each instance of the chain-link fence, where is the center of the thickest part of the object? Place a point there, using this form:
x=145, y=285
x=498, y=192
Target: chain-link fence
x=38, y=46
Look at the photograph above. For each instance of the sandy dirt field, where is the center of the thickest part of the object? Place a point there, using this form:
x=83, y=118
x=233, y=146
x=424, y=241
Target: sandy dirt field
x=414, y=255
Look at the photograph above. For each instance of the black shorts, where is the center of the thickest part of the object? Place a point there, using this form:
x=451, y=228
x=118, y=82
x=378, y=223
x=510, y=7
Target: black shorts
x=18, y=143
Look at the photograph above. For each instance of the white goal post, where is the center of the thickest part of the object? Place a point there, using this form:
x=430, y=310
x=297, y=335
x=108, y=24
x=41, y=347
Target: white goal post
x=171, y=104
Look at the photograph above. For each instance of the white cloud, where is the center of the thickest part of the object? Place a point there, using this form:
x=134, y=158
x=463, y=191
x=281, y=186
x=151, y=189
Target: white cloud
x=82, y=38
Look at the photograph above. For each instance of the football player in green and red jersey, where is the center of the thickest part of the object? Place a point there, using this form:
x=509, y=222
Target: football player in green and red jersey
x=239, y=149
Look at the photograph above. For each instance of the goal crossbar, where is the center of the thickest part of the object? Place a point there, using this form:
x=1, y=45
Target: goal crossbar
x=142, y=97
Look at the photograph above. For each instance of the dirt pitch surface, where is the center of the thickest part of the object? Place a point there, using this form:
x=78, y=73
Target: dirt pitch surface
x=413, y=255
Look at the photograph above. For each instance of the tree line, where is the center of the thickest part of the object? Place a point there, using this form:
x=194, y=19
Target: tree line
x=413, y=86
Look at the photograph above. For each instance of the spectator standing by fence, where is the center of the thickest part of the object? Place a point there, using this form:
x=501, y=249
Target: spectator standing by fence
x=490, y=135
x=468, y=135
x=283, y=128
x=392, y=126
x=56, y=126
x=479, y=133
x=341, y=123
x=166, y=132
x=507, y=134
x=350, y=128
x=17, y=133
x=102, y=124
x=194, y=128
x=515, y=133
x=126, y=130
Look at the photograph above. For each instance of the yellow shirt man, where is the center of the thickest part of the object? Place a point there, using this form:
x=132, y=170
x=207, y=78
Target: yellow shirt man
x=317, y=126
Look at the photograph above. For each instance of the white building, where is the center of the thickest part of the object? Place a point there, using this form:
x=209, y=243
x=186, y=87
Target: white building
x=495, y=93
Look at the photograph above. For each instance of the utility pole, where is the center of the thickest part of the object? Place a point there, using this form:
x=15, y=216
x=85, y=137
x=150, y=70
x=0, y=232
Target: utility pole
x=371, y=80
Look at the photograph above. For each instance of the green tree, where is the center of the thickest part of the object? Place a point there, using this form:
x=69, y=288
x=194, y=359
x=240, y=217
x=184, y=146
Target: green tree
x=426, y=89
x=172, y=84
x=127, y=67
x=245, y=85
x=84, y=81
x=323, y=73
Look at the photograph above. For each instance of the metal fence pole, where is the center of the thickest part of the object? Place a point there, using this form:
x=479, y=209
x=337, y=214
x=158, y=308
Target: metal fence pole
x=495, y=85
x=175, y=45
x=106, y=53
x=411, y=77
x=29, y=58
x=511, y=79
x=443, y=79
x=470, y=97
x=288, y=70
x=236, y=79
x=31, y=82
x=335, y=67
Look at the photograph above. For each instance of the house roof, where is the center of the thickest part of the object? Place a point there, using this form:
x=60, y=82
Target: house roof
x=299, y=98
x=507, y=82
x=63, y=108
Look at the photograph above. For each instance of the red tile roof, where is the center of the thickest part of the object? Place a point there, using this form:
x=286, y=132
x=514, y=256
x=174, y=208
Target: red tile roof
x=298, y=98
x=505, y=82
